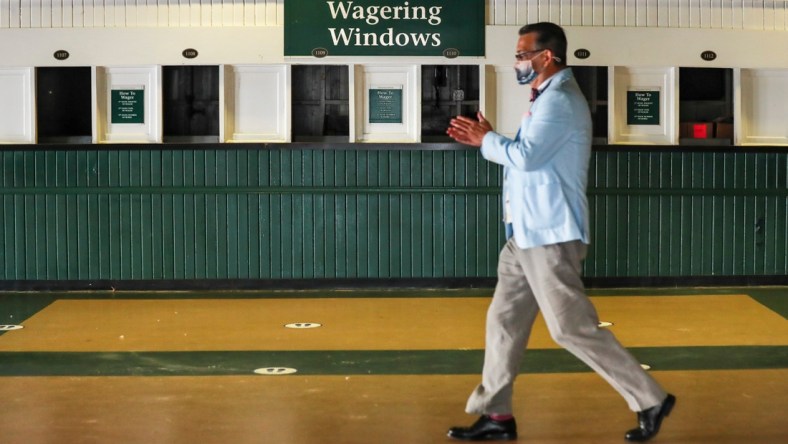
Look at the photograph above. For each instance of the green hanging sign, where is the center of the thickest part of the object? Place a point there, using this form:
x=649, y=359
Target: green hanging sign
x=448, y=28
x=643, y=107
x=128, y=105
x=385, y=105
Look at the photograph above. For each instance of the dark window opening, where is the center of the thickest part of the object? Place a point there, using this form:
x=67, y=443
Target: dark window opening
x=447, y=91
x=593, y=83
x=320, y=103
x=706, y=106
x=191, y=103
x=63, y=105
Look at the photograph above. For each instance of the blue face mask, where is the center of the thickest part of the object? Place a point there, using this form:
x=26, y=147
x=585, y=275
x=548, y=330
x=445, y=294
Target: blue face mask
x=525, y=72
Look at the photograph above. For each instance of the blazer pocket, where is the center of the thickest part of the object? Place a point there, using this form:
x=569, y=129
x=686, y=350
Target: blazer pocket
x=545, y=206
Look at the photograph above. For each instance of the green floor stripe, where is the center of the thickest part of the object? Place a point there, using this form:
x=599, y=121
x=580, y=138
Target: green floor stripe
x=685, y=291
x=776, y=294
x=774, y=299
x=266, y=294
x=15, y=308
x=443, y=362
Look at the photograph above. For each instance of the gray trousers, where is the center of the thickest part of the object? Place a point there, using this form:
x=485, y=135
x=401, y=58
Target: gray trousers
x=547, y=278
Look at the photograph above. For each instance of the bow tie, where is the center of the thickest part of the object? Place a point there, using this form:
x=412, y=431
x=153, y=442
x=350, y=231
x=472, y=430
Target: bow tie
x=535, y=93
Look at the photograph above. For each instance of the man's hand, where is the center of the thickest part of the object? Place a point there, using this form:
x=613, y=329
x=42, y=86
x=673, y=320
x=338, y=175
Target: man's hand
x=469, y=131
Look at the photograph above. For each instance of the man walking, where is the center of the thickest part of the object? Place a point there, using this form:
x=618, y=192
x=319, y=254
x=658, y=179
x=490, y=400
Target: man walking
x=546, y=217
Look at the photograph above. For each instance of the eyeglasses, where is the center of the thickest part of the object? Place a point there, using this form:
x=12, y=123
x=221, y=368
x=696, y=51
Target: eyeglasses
x=527, y=55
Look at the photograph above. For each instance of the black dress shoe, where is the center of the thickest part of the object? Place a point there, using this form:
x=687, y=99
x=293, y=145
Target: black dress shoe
x=486, y=429
x=649, y=420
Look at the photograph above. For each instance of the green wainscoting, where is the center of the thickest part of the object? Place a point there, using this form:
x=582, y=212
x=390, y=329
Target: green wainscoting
x=688, y=213
x=163, y=212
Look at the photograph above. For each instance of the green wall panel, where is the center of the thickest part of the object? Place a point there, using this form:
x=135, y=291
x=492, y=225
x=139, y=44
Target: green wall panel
x=247, y=214
x=154, y=212
x=672, y=213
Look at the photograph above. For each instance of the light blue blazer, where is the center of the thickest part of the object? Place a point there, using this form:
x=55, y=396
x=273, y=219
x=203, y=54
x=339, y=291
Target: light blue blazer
x=546, y=166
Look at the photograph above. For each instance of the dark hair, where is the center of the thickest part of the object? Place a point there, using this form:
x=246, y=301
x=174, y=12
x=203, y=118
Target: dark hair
x=548, y=36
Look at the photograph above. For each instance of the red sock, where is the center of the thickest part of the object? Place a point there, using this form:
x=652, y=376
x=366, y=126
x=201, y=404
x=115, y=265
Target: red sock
x=497, y=417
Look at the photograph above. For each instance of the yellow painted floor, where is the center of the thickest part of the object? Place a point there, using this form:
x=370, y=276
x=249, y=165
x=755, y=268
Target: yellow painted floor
x=372, y=324
x=731, y=406
x=720, y=407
